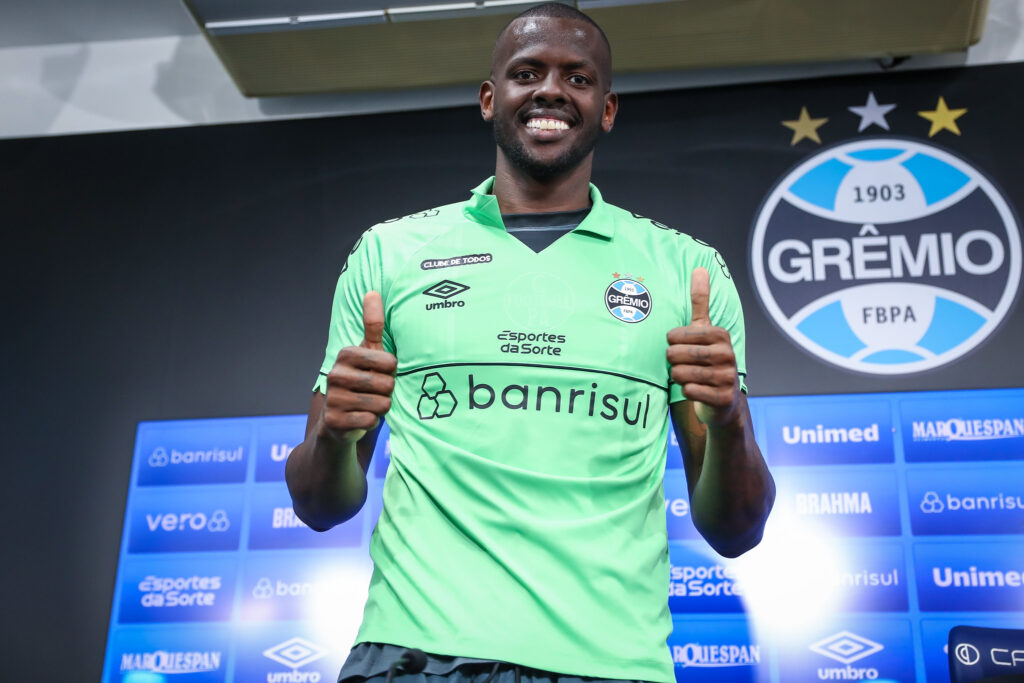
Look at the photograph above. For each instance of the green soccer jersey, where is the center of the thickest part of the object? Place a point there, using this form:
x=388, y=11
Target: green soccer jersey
x=523, y=516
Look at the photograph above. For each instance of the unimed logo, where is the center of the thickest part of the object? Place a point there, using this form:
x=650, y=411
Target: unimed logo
x=972, y=577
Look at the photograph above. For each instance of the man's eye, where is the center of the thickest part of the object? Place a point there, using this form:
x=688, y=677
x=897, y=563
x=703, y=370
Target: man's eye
x=522, y=75
x=579, y=79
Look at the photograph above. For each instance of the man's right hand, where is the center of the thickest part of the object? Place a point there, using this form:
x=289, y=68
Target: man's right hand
x=359, y=385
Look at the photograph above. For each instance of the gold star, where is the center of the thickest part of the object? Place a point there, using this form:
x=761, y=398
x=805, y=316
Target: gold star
x=805, y=127
x=942, y=118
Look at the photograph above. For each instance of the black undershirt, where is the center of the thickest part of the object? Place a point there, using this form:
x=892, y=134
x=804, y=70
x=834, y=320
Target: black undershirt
x=539, y=231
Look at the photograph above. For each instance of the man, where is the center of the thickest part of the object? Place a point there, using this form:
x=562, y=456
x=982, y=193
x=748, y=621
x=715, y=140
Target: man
x=517, y=343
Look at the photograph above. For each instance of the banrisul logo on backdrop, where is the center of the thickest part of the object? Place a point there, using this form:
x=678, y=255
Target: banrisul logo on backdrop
x=886, y=256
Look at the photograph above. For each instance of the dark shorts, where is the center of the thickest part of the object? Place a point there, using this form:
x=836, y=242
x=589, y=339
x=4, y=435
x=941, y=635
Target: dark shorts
x=368, y=663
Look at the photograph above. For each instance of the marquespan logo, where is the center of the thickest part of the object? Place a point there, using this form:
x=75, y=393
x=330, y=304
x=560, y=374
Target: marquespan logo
x=886, y=256
x=628, y=299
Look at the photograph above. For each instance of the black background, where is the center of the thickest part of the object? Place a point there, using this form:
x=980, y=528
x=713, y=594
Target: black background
x=186, y=273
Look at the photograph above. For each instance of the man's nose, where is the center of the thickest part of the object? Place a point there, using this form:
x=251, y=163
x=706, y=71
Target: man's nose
x=550, y=89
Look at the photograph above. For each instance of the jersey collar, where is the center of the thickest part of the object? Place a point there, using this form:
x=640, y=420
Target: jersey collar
x=482, y=208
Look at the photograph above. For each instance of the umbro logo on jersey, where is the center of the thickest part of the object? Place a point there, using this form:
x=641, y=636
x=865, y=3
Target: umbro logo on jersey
x=445, y=289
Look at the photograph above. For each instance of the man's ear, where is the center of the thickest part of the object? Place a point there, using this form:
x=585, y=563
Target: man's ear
x=487, y=100
x=611, y=108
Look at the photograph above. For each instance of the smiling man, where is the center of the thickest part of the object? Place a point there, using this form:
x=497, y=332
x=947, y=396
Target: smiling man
x=528, y=346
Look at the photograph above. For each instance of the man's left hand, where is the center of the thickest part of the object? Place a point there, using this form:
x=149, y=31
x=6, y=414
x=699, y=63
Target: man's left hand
x=702, y=359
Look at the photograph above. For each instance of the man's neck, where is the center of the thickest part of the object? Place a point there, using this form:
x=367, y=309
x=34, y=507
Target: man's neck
x=519, y=193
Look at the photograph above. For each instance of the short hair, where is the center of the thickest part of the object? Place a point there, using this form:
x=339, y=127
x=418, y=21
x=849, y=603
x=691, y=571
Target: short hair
x=557, y=10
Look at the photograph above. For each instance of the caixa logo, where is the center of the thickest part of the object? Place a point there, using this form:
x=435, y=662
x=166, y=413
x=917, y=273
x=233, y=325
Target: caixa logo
x=886, y=256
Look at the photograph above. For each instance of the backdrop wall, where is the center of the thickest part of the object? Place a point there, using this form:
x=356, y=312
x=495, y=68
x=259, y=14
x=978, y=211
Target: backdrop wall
x=188, y=273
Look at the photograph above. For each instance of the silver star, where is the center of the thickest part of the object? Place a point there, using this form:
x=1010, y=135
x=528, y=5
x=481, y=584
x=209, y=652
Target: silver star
x=872, y=112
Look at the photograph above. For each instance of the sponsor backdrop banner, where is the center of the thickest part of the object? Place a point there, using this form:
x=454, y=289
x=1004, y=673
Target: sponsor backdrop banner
x=872, y=227
x=861, y=560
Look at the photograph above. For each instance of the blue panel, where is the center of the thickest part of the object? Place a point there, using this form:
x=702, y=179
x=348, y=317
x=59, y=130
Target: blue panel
x=273, y=524
x=186, y=519
x=275, y=439
x=179, y=589
x=820, y=185
x=966, y=500
x=872, y=577
x=717, y=650
x=937, y=179
x=951, y=325
x=861, y=502
x=974, y=426
x=278, y=587
x=677, y=507
x=827, y=326
x=850, y=648
x=892, y=357
x=382, y=451
x=184, y=654
x=289, y=651
x=192, y=452
x=701, y=582
x=970, y=577
x=828, y=431
x=878, y=154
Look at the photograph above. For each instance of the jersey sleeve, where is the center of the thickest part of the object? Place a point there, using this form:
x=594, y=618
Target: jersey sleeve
x=725, y=311
x=362, y=273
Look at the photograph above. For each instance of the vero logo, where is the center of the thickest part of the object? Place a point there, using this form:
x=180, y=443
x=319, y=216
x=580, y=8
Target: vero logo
x=217, y=522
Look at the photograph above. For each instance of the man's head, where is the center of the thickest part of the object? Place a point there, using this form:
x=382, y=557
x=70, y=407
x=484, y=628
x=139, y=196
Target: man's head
x=549, y=94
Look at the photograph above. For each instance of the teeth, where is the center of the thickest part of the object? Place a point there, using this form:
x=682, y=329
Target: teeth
x=547, y=124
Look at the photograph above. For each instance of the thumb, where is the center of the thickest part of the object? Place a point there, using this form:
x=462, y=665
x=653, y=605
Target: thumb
x=373, y=321
x=700, y=293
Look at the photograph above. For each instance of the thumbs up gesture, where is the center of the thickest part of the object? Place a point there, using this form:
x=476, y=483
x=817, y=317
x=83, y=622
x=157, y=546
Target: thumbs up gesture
x=702, y=359
x=359, y=385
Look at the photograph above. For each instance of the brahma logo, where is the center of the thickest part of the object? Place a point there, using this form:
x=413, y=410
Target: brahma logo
x=886, y=256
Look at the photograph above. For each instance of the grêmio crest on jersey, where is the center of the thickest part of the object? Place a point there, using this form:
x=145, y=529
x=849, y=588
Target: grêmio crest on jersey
x=627, y=298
